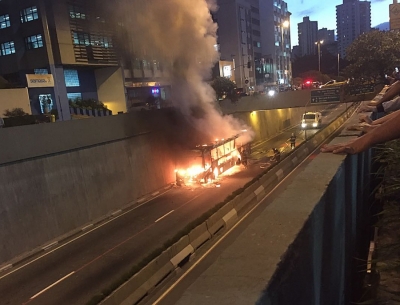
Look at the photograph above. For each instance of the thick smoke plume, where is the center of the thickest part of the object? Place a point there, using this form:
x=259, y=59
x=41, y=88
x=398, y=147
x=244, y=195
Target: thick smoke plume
x=182, y=36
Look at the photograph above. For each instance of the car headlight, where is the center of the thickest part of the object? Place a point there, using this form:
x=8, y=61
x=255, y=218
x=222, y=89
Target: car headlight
x=303, y=125
x=271, y=92
x=314, y=124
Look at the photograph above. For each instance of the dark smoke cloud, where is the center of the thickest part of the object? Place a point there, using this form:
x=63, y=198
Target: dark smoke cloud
x=182, y=36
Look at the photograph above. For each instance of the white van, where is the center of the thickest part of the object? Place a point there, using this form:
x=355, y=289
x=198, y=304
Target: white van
x=311, y=120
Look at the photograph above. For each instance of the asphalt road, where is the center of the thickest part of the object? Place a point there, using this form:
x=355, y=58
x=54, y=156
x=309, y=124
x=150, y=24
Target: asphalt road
x=74, y=272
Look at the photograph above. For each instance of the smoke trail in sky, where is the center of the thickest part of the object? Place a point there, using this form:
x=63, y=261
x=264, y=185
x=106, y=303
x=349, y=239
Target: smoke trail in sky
x=182, y=36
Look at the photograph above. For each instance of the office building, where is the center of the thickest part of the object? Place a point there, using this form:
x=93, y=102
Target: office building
x=353, y=18
x=67, y=49
x=308, y=36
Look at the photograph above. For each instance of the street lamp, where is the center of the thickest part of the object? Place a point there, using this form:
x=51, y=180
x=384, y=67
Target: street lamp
x=319, y=53
x=284, y=24
x=338, y=61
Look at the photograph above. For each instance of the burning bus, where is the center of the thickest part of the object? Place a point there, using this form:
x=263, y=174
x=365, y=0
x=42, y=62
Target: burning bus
x=204, y=163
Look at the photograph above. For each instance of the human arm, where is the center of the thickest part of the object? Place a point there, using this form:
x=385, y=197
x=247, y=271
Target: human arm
x=390, y=93
x=385, y=118
x=390, y=106
x=389, y=130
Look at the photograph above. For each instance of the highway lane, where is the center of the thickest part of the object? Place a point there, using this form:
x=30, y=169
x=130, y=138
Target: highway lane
x=80, y=269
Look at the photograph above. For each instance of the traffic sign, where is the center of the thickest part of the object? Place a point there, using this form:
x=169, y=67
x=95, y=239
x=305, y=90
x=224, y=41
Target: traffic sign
x=325, y=95
x=361, y=89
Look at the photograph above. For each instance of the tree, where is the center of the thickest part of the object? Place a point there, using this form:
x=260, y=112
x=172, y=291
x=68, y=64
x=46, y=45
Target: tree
x=225, y=88
x=14, y=113
x=372, y=55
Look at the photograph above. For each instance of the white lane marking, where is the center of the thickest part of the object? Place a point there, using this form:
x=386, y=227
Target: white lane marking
x=155, y=193
x=52, y=285
x=164, y=216
x=141, y=200
x=78, y=237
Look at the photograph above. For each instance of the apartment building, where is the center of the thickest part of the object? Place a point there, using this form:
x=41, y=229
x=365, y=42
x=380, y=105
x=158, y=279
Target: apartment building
x=353, y=18
x=328, y=36
x=308, y=36
x=252, y=35
x=68, y=49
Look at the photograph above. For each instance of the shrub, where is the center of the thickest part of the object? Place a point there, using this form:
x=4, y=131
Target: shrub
x=15, y=112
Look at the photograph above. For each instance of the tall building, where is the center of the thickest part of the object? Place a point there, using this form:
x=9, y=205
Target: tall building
x=394, y=15
x=308, y=36
x=353, y=18
x=234, y=39
x=328, y=36
x=275, y=39
x=251, y=33
x=67, y=49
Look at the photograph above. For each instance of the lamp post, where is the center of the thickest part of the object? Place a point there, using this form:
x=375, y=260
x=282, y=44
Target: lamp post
x=284, y=25
x=319, y=53
x=338, y=61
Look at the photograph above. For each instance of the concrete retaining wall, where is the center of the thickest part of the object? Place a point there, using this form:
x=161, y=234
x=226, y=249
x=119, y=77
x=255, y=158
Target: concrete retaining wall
x=44, y=198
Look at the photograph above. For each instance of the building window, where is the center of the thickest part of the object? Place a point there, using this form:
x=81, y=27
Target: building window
x=29, y=14
x=137, y=64
x=71, y=78
x=74, y=96
x=34, y=42
x=4, y=21
x=7, y=48
x=46, y=103
x=76, y=12
x=81, y=38
x=41, y=71
x=100, y=41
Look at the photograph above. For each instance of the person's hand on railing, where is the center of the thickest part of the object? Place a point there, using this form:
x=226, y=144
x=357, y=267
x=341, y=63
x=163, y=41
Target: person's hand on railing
x=353, y=146
x=364, y=127
x=385, y=129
